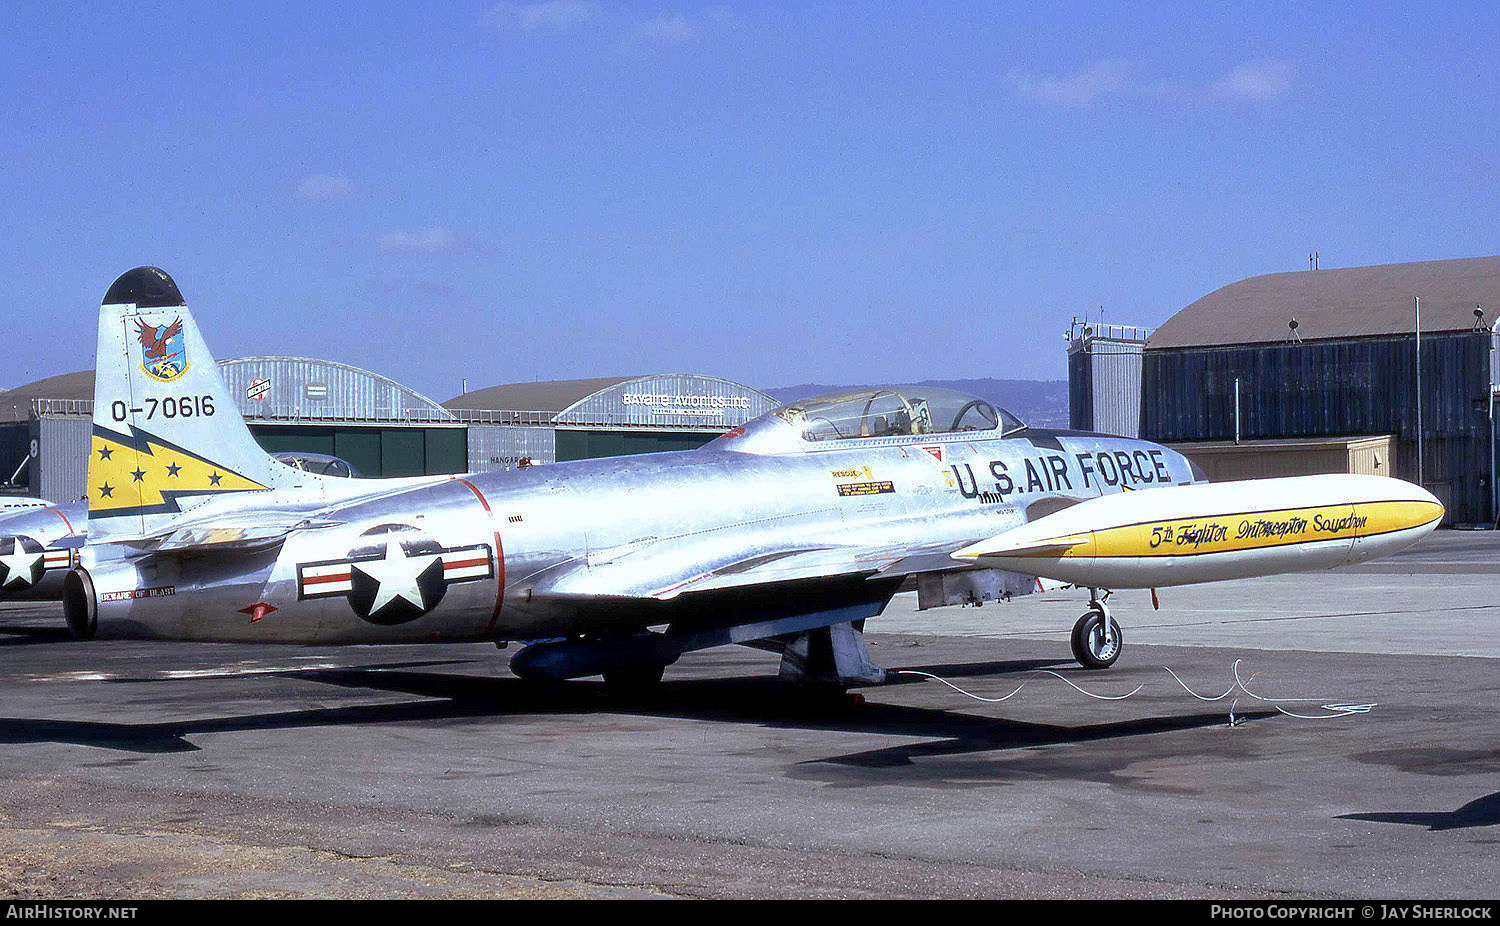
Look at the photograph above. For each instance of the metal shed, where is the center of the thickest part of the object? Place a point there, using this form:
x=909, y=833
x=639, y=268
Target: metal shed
x=1104, y=377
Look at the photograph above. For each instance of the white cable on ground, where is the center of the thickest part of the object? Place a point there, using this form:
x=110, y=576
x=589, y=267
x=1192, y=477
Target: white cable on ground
x=976, y=697
x=1334, y=708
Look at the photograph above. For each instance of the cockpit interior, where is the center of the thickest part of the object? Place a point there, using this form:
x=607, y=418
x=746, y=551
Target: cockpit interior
x=880, y=411
x=895, y=411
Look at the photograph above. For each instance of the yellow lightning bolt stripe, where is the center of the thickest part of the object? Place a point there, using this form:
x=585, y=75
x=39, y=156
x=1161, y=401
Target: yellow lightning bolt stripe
x=129, y=476
x=1257, y=530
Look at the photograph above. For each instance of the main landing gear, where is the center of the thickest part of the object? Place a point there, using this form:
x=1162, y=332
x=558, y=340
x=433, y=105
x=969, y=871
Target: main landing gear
x=1096, y=637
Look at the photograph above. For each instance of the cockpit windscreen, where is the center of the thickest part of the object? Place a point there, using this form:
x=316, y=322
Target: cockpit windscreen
x=893, y=411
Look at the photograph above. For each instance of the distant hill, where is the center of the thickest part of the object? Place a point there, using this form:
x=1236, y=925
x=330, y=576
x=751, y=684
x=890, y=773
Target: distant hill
x=1042, y=403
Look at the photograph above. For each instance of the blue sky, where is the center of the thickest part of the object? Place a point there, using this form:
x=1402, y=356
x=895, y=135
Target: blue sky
x=772, y=192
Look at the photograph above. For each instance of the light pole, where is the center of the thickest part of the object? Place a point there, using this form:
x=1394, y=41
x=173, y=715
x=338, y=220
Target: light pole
x=1420, y=480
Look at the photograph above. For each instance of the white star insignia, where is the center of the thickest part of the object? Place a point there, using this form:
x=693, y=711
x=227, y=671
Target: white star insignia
x=396, y=574
x=19, y=564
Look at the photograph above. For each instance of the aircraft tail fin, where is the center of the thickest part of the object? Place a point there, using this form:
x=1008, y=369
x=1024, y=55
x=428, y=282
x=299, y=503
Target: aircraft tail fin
x=167, y=432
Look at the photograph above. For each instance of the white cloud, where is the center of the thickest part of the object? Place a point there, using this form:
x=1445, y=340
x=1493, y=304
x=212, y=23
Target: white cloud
x=672, y=29
x=323, y=188
x=1081, y=89
x=1256, y=81
x=677, y=29
x=629, y=32
x=546, y=16
x=434, y=239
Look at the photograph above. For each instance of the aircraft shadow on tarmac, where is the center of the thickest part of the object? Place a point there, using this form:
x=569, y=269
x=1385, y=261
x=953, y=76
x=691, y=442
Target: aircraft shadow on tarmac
x=759, y=700
x=1484, y=811
x=981, y=669
x=29, y=636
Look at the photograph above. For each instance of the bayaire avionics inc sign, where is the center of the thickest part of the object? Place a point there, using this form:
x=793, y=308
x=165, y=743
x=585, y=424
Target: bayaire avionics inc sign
x=698, y=406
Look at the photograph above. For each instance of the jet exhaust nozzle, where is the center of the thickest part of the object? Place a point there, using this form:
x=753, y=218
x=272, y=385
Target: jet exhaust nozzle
x=80, y=605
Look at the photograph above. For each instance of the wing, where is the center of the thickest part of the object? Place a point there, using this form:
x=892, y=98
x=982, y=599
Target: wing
x=662, y=577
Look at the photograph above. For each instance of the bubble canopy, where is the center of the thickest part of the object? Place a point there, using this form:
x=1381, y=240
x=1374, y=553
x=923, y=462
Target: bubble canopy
x=877, y=412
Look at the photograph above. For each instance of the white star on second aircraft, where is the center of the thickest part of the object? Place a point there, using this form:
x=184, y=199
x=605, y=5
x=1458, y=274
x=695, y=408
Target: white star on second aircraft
x=396, y=574
x=19, y=564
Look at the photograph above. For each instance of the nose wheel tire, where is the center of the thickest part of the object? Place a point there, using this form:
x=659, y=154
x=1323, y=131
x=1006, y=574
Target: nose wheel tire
x=1096, y=640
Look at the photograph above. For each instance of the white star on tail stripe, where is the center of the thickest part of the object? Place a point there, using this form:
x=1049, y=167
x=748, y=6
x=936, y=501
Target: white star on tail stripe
x=19, y=563
x=396, y=575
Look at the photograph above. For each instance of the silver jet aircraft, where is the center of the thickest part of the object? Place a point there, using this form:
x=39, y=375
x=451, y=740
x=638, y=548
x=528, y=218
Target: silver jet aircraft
x=40, y=542
x=38, y=545
x=787, y=533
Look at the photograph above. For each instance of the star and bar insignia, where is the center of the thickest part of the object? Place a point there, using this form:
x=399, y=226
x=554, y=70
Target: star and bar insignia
x=396, y=576
x=23, y=561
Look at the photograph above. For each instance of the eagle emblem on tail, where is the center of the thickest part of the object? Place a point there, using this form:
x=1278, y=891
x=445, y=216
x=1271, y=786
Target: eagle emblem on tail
x=163, y=353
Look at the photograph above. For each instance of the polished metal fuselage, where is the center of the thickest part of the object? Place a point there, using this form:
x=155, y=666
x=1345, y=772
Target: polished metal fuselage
x=598, y=546
x=53, y=530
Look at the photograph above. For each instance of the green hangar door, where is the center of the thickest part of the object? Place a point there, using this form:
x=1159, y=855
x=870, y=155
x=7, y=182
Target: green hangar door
x=380, y=427
x=586, y=445
x=374, y=451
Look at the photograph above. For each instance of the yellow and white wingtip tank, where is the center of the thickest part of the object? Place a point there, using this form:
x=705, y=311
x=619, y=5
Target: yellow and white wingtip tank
x=1214, y=531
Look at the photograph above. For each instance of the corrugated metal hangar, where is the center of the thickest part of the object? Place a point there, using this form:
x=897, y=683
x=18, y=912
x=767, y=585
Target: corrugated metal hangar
x=578, y=419
x=383, y=428
x=1331, y=355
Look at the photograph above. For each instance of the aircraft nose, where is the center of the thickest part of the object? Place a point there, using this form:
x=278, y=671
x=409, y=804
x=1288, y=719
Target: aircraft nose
x=1431, y=499
x=1426, y=509
x=1415, y=509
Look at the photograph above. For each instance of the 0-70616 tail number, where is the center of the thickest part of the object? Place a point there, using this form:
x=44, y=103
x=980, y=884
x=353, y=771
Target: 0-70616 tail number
x=191, y=406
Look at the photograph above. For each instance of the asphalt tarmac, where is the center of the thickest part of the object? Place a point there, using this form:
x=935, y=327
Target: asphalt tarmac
x=190, y=770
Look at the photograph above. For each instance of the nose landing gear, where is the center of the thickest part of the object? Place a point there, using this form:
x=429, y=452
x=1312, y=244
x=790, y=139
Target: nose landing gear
x=1096, y=637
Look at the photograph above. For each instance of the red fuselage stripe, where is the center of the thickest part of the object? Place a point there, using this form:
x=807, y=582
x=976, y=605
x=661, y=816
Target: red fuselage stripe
x=464, y=564
x=65, y=520
x=499, y=556
x=318, y=580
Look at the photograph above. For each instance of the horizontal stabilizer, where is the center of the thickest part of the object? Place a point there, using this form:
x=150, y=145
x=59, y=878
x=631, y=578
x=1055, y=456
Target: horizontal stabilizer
x=227, y=536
